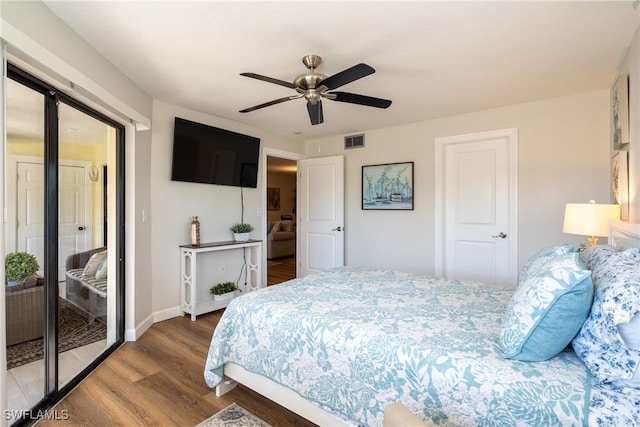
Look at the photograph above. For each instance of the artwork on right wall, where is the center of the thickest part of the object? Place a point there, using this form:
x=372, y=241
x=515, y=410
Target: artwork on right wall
x=620, y=112
x=620, y=144
x=620, y=182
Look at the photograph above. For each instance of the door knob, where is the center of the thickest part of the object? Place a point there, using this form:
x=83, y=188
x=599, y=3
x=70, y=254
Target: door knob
x=338, y=228
x=81, y=228
x=501, y=235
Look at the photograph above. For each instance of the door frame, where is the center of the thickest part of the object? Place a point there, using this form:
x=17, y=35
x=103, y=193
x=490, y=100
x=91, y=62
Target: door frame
x=511, y=134
x=272, y=152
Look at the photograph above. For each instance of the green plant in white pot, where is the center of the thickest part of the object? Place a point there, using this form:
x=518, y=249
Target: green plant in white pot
x=224, y=290
x=19, y=265
x=241, y=232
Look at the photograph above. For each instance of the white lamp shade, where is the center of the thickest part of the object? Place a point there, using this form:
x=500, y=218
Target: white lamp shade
x=589, y=219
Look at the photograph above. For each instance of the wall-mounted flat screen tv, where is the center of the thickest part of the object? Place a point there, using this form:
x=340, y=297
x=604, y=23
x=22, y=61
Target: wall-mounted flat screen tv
x=210, y=155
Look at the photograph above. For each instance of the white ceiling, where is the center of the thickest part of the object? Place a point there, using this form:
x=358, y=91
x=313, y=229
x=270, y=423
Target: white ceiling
x=433, y=59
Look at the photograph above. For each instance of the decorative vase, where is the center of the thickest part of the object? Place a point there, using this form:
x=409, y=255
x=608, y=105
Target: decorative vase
x=241, y=237
x=195, y=231
x=223, y=297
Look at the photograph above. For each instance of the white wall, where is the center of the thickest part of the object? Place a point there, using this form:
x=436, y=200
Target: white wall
x=218, y=207
x=563, y=157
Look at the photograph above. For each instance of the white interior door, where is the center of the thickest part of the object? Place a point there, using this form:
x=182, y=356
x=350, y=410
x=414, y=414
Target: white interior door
x=30, y=210
x=320, y=214
x=74, y=225
x=74, y=229
x=478, y=221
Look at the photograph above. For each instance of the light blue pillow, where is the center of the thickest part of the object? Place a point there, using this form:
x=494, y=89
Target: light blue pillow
x=547, y=309
x=543, y=256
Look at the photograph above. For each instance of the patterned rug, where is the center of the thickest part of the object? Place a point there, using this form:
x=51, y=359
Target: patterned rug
x=234, y=415
x=75, y=331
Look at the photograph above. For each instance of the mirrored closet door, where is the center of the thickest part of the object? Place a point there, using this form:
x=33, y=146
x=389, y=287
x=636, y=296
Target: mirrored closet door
x=65, y=191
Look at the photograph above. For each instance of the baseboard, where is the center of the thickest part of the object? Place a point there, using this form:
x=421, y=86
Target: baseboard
x=167, y=314
x=135, y=333
x=158, y=316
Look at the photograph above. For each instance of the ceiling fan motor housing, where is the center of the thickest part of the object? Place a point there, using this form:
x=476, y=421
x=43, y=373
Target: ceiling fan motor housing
x=313, y=86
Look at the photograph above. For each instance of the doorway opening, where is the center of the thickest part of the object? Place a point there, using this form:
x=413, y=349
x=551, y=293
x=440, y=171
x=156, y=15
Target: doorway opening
x=280, y=216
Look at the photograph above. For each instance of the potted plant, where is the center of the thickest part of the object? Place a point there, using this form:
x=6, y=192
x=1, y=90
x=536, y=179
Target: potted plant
x=223, y=291
x=19, y=265
x=241, y=232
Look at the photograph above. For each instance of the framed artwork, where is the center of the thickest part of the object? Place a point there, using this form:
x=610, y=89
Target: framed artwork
x=273, y=199
x=387, y=186
x=620, y=112
x=620, y=182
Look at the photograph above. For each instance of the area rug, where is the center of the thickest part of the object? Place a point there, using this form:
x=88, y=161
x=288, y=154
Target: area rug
x=75, y=328
x=234, y=415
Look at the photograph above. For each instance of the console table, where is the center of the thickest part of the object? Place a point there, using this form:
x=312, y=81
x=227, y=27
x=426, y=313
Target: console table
x=188, y=278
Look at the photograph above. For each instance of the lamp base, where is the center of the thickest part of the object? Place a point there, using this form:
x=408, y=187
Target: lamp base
x=593, y=240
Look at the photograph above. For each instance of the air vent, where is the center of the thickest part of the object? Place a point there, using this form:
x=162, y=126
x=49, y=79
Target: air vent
x=354, y=141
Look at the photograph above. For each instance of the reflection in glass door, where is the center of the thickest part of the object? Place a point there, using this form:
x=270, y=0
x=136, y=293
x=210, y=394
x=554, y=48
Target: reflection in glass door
x=86, y=305
x=25, y=238
x=64, y=180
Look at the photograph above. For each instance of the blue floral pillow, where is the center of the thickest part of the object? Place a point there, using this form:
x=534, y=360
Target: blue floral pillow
x=599, y=343
x=547, y=309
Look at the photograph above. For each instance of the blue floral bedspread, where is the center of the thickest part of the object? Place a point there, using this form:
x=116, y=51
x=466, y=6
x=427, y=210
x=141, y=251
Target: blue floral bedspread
x=353, y=340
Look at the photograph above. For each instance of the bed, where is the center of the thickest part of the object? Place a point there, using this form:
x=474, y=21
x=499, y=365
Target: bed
x=341, y=346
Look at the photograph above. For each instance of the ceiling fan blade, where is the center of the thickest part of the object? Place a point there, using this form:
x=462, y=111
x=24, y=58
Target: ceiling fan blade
x=347, y=76
x=270, y=80
x=315, y=112
x=270, y=103
x=354, y=98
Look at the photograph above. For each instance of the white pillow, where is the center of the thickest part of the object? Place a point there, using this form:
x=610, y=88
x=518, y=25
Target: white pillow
x=93, y=264
x=101, y=272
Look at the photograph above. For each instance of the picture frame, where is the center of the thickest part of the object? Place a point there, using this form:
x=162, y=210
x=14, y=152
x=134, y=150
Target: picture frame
x=387, y=186
x=620, y=182
x=620, y=113
x=273, y=199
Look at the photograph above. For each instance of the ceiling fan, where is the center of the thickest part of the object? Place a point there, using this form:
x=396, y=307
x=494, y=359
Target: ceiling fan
x=313, y=86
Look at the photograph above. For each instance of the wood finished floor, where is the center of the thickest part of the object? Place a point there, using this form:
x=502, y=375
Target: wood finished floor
x=280, y=270
x=158, y=380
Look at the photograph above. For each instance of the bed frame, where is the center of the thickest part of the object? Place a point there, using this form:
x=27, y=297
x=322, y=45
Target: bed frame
x=622, y=235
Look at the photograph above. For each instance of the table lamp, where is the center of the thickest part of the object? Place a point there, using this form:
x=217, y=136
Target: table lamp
x=589, y=219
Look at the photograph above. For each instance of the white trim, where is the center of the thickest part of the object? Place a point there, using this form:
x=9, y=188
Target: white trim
x=512, y=137
x=169, y=313
x=135, y=333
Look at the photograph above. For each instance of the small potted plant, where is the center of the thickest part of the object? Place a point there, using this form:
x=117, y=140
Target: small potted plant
x=18, y=266
x=241, y=232
x=223, y=291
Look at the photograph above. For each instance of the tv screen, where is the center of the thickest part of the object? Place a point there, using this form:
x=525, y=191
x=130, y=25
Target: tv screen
x=210, y=155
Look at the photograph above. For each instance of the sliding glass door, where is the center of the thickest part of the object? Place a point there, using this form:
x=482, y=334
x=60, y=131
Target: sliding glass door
x=65, y=191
